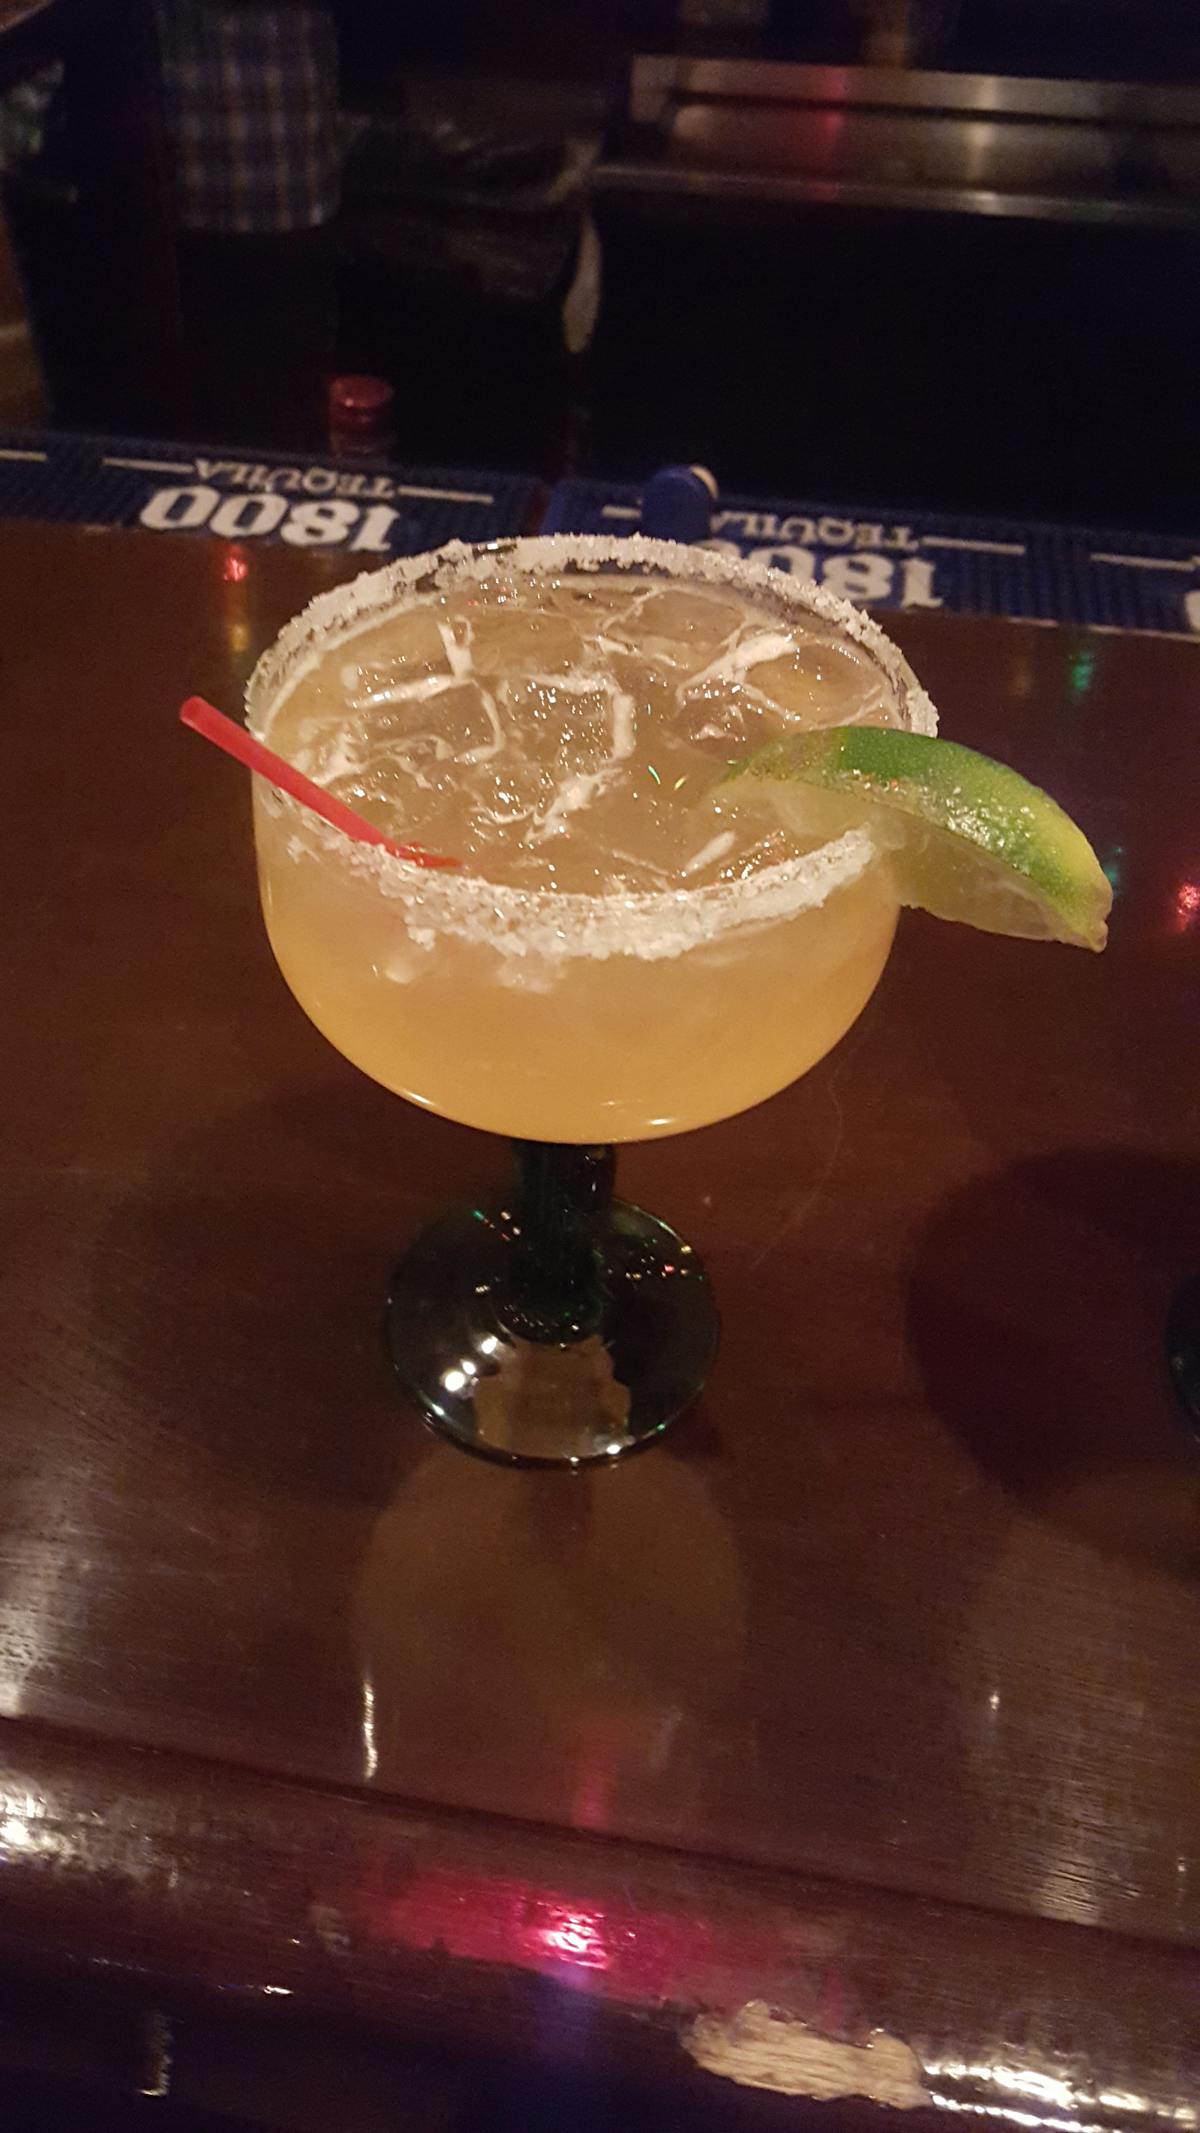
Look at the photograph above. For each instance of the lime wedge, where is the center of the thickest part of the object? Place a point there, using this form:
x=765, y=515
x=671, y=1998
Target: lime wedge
x=966, y=838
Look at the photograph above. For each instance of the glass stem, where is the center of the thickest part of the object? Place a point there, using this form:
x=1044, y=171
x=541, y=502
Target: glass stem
x=556, y=1287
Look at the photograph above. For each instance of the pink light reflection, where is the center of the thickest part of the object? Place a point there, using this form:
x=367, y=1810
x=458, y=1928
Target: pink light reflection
x=578, y=1936
x=616, y=1949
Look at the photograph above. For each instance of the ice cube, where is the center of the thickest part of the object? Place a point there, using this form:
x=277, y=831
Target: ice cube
x=458, y=719
x=403, y=649
x=587, y=601
x=573, y=728
x=510, y=642
x=506, y=796
x=824, y=684
x=384, y=794
x=723, y=722
x=680, y=619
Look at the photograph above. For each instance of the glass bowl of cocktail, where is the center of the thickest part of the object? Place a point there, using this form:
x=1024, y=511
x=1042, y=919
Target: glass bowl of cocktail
x=681, y=859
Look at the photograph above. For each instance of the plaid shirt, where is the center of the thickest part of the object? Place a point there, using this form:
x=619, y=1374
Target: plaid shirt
x=251, y=111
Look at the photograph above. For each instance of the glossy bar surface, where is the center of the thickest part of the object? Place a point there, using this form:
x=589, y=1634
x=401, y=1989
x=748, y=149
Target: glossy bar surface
x=868, y=1700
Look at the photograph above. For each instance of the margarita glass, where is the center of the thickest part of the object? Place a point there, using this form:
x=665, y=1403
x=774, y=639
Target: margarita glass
x=621, y=954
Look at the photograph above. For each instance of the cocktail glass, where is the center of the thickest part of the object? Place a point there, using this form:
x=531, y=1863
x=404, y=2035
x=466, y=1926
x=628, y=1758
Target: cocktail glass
x=550, y=1323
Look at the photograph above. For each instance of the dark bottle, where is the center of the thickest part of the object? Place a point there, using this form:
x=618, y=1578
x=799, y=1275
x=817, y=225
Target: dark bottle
x=362, y=417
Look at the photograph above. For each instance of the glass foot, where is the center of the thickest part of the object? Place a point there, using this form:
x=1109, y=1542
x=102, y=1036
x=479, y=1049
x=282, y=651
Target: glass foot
x=467, y=1343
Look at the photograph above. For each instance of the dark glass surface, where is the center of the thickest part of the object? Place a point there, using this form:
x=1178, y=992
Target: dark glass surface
x=551, y=1325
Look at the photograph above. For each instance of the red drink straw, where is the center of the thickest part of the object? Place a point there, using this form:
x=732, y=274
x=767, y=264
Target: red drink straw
x=204, y=718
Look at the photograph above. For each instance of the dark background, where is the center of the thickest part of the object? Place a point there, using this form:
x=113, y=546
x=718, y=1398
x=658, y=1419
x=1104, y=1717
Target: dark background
x=877, y=354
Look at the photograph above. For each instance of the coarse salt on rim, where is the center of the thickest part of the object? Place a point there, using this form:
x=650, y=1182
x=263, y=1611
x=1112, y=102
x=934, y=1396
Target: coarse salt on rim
x=543, y=923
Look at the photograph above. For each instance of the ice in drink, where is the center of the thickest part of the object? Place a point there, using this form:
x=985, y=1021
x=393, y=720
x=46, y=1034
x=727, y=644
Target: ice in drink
x=620, y=955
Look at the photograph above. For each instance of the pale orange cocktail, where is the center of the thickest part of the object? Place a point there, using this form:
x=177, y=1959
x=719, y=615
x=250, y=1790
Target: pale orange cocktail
x=622, y=953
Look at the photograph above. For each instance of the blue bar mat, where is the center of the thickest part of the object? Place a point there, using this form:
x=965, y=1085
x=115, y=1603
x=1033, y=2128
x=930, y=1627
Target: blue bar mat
x=370, y=510
x=968, y=566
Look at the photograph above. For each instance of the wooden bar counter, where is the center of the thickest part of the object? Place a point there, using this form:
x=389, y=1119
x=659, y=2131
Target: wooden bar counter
x=845, y=1744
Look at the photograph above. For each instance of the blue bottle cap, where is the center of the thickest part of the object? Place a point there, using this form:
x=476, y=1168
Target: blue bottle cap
x=677, y=504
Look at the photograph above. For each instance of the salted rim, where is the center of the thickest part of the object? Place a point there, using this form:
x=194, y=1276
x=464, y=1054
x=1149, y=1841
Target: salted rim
x=542, y=922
